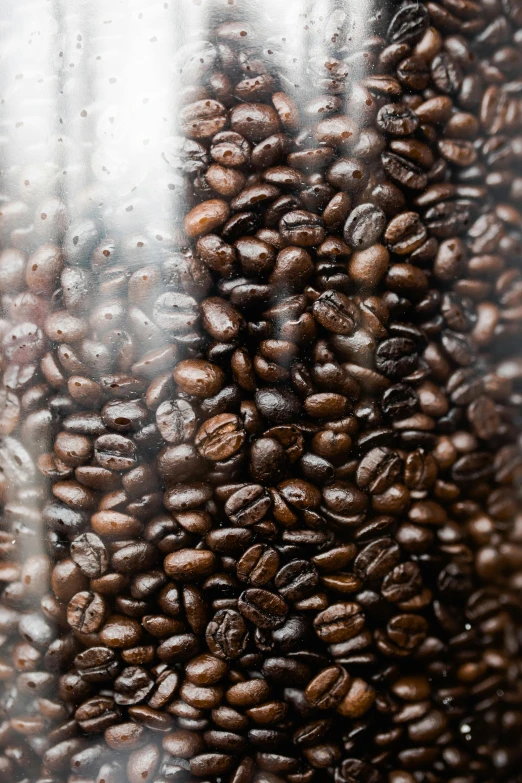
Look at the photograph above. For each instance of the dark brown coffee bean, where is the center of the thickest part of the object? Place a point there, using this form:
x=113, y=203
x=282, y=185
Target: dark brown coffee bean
x=367, y=267
x=407, y=631
x=267, y=460
x=248, y=505
x=258, y=565
x=206, y=217
x=397, y=120
x=301, y=228
x=189, y=564
x=132, y=686
x=459, y=347
x=198, y=377
x=405, y=233
x=254, y=121
x=403, y=172
x=293, y=267
x=125, y=736
x=396, y=357
x=339, y=622
x=446, y=73
x=85, y=612
x=296, y=580
x=115, y=452
x=364, y=226
x=378, y=469
x=377, y=558
x=90, y=554
x=227, y=634
x=336, y=312
x=328, y=688
x=347, y=174
x=263, y=608
x=409, y=24
x=220, y=437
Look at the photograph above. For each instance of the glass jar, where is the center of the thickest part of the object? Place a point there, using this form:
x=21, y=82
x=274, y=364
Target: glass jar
x=260, y=389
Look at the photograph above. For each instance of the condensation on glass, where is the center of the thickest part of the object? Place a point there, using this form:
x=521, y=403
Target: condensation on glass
x=260, y=482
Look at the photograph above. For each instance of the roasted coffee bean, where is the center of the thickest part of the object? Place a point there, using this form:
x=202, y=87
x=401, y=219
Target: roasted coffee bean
x=296, y=580
x=364, y=226
x=254, y=121
x=198, y=377
x=267, y=460
x=86, y=612
x=328, y=688
x=396, y=357
x=377, y=558
x=301, y=228
x=248, y=505
x=258, y=565
x=189, y=564
x=397, y=120
x=403, y=172
x=336, y=312
x=90, y=555
x=263, y=608
x=409, y=24
x=227, y=634
x=446, y=73
x=339, y=622
x=115, y=452
x=132, y=686
x=378, y=469
x=220, y=437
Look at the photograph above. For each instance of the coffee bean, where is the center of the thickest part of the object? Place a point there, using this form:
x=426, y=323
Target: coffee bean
x=296, y=580
x=347, y=174
x=258, y=565
x=336, y=312
x=328, y=688
x=405, y=233
x=367, y=267
x=132, y=686
x=189, y=564
x=409, y=24
x=262, y=608
x=378, y=469
x=206, y=217
x=115, y=452
x=397, y=120
x=85, y=612
x=220, y=437
x=202, y=119
x=364, y=226
x=198, y=377
x=403, y=172
x=339, y=622
x=267, y=460
x=377, y=558
x=407, y=631
x=396, y=357
x=301, y=228
x=227, y=634
x=90, y=554
x=446, y=73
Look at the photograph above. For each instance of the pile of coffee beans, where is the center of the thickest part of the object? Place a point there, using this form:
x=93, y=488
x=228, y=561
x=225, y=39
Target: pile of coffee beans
x=261, y=497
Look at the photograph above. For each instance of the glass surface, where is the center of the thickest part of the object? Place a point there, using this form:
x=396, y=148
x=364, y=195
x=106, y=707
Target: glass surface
x=260, y=389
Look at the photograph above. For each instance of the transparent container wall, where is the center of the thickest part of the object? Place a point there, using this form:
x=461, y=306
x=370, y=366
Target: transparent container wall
x=260, y=388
